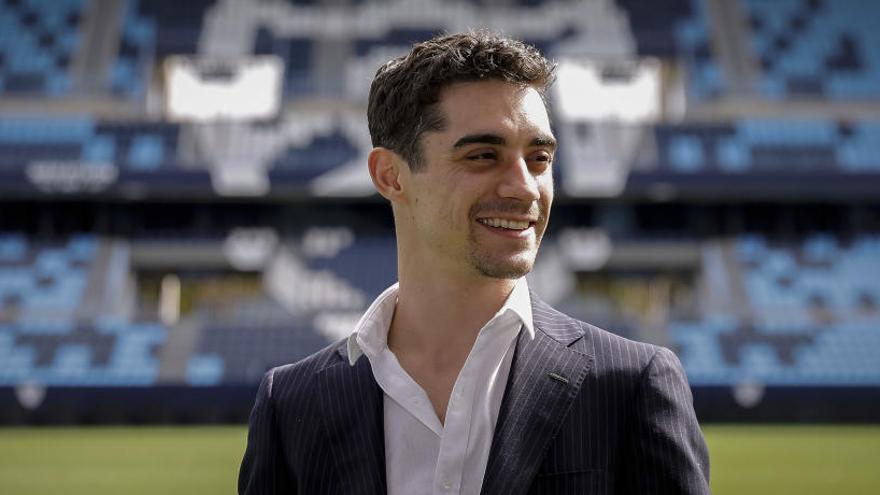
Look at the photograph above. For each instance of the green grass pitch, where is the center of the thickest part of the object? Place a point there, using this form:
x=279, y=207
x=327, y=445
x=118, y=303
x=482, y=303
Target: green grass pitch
x=204, y=460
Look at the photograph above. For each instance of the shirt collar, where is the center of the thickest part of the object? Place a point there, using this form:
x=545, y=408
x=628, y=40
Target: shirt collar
x=370, y=335
x=371, y=332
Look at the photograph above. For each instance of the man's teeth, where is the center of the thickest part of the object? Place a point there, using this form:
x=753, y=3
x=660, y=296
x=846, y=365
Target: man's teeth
x=505, y=224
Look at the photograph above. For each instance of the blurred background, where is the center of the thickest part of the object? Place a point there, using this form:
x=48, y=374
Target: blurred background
x=184, y=203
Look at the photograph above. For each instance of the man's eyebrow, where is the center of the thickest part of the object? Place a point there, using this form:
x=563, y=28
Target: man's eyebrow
x=479, y=139
x=548, y=141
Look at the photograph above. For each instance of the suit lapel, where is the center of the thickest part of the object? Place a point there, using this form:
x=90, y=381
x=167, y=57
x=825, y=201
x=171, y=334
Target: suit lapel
x=545, y=377
x=352, y=406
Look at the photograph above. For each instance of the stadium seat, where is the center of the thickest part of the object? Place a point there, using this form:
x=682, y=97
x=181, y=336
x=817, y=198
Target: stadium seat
x=790, y=342
x=38, y=41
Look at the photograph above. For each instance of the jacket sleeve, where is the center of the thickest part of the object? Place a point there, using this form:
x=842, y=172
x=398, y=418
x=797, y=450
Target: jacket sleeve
x=263, y=470
x=665, y=452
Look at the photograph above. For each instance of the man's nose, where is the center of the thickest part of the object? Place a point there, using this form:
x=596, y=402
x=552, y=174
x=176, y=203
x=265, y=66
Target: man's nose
x=519, y=182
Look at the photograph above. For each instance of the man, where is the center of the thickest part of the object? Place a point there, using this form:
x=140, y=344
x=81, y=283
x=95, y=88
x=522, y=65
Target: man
x=458, y=379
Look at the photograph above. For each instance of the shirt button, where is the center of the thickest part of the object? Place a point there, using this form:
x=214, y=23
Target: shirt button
x=447, y=484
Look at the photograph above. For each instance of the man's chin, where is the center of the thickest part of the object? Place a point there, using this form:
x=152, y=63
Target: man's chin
x=510, y=268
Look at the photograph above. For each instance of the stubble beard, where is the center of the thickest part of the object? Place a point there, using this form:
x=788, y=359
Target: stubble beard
x=492, y=265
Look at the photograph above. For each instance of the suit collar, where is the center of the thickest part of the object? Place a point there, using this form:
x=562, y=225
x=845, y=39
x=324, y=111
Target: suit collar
x=545, y=377
x=558, y=326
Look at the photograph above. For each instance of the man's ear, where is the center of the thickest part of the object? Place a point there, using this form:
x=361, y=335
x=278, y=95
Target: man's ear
x=386, y=168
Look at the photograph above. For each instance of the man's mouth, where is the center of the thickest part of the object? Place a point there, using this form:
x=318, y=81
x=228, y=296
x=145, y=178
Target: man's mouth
x=503, y=223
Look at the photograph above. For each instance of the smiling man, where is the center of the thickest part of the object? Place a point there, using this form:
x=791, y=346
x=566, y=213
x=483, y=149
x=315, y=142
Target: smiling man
x=457, y=379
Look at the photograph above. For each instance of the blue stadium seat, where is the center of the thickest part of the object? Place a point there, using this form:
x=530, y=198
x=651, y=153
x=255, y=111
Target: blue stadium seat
x=205, y=370
x=45, y=342
x=816, y=49
x=686, y=154
x=809, y=329
x=37, y=43
x=152, y=30
x=679, y=29
x=369, y=264
x=241, y=354
x=322, y=154
x=130, y=70
x=773, y=146
x=13, y=247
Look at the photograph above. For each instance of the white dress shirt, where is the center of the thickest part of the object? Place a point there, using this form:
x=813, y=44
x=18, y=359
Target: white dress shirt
x=421, y=454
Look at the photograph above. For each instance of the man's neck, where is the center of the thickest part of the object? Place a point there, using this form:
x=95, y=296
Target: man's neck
x=436, y=322
x=440, y=316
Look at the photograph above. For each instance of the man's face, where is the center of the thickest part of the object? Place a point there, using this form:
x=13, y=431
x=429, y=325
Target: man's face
x=480, y=204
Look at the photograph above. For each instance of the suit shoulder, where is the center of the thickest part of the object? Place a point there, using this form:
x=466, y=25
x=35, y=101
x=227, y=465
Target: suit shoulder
x=620, y=353
x=298, y=375
x=607, y=338
x=590, y=339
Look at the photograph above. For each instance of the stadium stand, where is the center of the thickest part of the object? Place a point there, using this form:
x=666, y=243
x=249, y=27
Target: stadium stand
x=739, y=226
x=680, y=29
x=134, y=146
x=45, y=337
x=131, y=67
x=241, y=355
x=770, y=145
x=816, y=48
x=151, y=154
x=810, y=316
x=38, y=41
x=48, y=340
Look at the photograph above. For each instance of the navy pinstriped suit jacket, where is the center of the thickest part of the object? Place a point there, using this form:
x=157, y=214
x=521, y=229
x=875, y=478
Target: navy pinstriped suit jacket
x=617, y=417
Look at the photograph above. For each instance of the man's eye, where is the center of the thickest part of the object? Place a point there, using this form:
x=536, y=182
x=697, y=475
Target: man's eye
x=542, y=157
x=484, y=155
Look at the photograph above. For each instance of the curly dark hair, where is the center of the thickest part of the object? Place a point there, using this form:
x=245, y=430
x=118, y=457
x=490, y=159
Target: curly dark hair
x=405, y=91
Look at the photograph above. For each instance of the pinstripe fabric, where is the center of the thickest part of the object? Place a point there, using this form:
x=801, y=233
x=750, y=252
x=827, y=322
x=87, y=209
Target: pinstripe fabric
x=584, y=411
x=628, y=428
x=316, y=427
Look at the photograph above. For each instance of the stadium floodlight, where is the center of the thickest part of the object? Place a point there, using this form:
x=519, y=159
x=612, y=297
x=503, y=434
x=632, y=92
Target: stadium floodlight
x=205, y=89
x=627, y=91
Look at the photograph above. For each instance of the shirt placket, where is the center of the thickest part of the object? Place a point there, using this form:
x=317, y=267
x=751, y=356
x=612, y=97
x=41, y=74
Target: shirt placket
x=454, y=441
x=401, y=388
